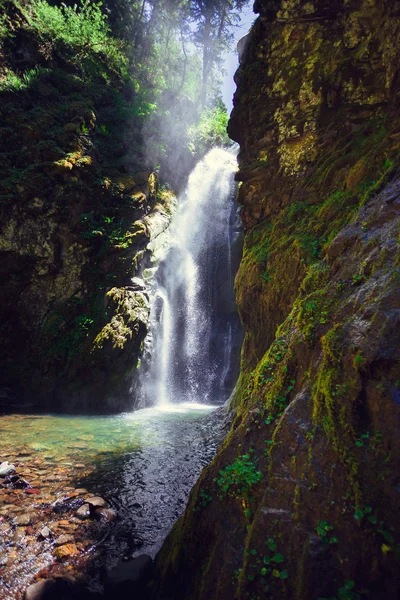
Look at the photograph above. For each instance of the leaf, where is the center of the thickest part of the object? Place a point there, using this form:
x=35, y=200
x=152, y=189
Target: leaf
x=263, y=571
x=349, y=585
x=358, y=515
x=250, y=577
x=284, y=574
x=278, y=558
x=276, y=573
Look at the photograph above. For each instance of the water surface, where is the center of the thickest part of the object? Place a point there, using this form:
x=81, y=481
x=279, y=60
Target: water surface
x=143, y=463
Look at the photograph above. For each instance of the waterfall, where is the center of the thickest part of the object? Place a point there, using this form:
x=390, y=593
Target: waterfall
x=194, y=323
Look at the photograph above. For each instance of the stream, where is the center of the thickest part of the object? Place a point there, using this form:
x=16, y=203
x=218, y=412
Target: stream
x=142, y=463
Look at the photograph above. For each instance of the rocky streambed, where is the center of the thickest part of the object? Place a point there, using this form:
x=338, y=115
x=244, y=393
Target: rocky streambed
x=78, y=494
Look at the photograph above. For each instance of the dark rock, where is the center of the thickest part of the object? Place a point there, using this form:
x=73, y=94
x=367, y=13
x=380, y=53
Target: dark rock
x=105, y=514
x=97, y=502
x=39, y=590
x=83, y=512
x=129, y=577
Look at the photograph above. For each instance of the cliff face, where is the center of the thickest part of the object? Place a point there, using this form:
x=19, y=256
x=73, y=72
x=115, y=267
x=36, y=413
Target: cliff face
x=78, y=210
x=301, y=500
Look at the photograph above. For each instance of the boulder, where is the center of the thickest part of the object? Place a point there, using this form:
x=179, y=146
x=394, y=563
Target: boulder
x=39, y=590
x=97, y=502
x=129, y=577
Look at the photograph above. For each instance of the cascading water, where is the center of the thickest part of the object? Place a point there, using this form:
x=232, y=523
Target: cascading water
x=194, y=320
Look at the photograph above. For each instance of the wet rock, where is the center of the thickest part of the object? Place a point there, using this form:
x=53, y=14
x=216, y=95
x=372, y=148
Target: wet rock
x=25, y=519
x=66, y=551
x=19, y=533
x=105, y=514
x=3, y=558
x=44, y=533
x=19, y=483
x=83, y=512
x=37, y=591
x=64, y=539
x=97, y=502
x=6, y=468
x=130, y=576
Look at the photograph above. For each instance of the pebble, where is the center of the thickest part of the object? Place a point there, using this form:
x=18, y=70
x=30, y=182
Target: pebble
x=25, y=519
x=44, y=533
x=64, y=539
x=66, y=551
x=19, y=533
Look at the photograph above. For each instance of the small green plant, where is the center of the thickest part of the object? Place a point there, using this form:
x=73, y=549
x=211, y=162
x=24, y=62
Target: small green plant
x=238, y=478
x=358, y=278
x=12, y=82
x=345, y=593
x=323, y=530
x=203, y=499
x=359, y=360
x=263, y=567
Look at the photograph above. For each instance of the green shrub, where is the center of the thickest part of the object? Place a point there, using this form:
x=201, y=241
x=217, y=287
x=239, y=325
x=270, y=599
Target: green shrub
x=238, y=478
x=84, y=28
x=13, y=82
x=209, y=131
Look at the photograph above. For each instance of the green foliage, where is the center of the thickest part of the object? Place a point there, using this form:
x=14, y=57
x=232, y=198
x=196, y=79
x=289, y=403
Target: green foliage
x=238, y=478
x=323, y=529
x=12, y=82
x=264, y=568
x=346, y=592
x=204, y=498
x=209, y=131
x=84, y=28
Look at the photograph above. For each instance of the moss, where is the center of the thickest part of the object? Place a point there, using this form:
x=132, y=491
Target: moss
x=336, y=387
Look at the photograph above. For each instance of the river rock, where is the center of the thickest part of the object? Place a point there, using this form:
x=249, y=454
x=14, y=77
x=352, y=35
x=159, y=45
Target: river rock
x=64, y=539
x=105, y=514
x=25, y=519
x=83, y=512
x=37, y=591
x=44, y=533
x=6, y=468
x=19, y=533
x=97, y=502
x=66, y=551
x=130, y=576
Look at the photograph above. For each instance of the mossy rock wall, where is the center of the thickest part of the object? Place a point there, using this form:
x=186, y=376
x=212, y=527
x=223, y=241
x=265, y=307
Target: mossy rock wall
x=317, y=405
x=79, y=206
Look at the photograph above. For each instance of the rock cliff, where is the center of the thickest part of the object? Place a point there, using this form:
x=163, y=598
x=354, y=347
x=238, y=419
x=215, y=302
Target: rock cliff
x=78, y=207
x=301, y=501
